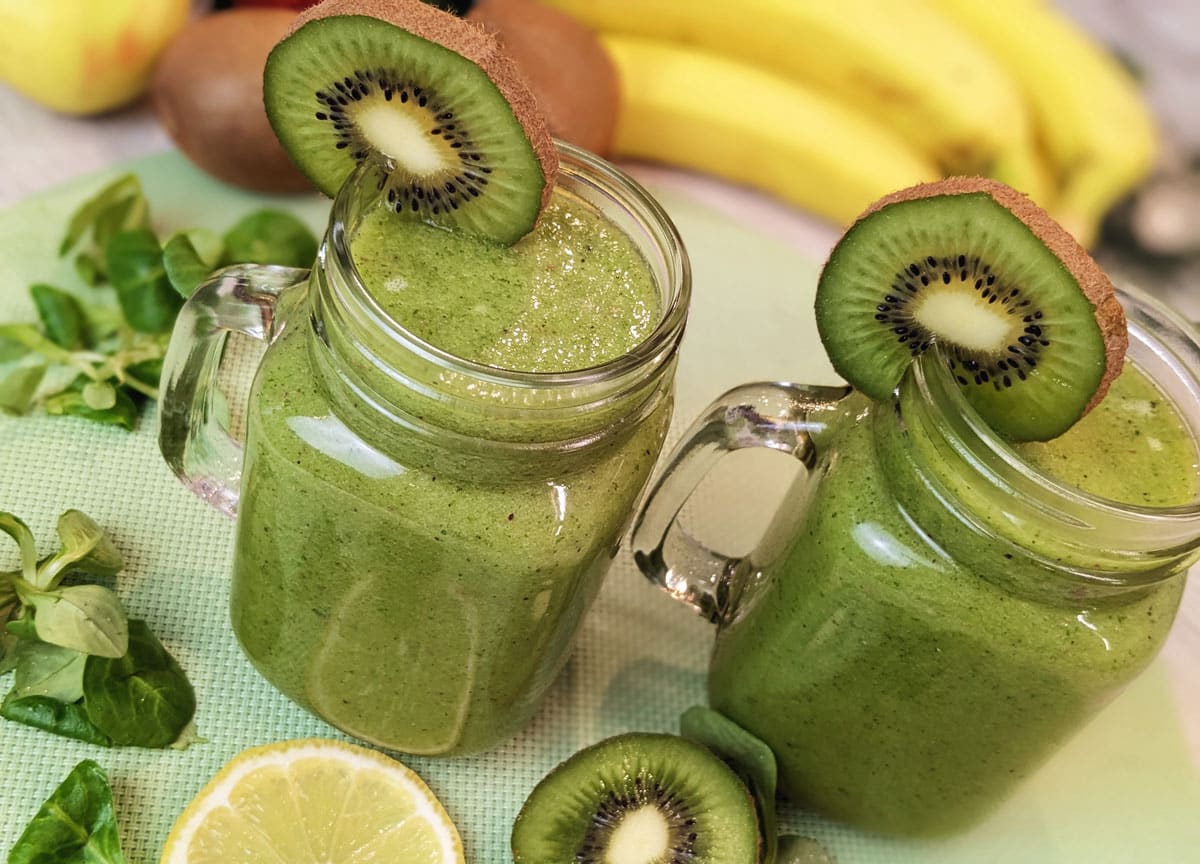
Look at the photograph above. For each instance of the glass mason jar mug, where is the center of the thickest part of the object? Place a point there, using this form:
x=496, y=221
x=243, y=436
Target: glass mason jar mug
x=418, y=535
x=929, y=615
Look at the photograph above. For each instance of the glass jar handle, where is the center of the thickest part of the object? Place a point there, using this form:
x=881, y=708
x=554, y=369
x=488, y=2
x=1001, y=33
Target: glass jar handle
x=777, y=416
x=193, y=435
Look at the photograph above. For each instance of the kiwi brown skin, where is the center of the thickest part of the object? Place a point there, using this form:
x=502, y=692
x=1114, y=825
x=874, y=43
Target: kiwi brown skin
x=207, y=93
x=572, y=76
x=1094, y=283
x=471, y=42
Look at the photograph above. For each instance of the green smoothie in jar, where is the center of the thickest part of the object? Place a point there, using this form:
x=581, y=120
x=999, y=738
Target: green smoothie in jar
x=902, y=680
x=991, y=532
x=408, y=585
x=459, y=404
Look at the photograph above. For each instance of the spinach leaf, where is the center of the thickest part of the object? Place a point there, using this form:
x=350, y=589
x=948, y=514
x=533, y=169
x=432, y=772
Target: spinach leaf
x=61, y=315
x=75, y=825
x=67, y=719
x=749, y=757
x=270, y=237
x=18, y=387
x=47, y=670
x=123, y=413
x=87, y=618
x=135, y=268
x=142, y=699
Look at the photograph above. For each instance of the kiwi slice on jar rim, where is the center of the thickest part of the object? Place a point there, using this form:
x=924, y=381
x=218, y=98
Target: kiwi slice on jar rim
x=1027, y=321
x=639, y=798
x=427, y=98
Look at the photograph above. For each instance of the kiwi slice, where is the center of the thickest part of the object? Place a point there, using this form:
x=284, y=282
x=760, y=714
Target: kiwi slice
x=638, y=798
x=429, y=99
x=1027, y=321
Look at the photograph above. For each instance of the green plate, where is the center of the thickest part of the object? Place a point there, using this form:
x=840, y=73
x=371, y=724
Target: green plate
x=1124, y=790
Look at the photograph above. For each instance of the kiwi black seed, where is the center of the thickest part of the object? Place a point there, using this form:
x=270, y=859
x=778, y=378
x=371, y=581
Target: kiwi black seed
x=638, y=798
x=1027, y=322
x=450, y=129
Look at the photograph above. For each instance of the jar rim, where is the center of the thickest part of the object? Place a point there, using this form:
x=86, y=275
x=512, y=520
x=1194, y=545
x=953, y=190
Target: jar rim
x=606, y=180
x=1152, y=327
x=1128, y=544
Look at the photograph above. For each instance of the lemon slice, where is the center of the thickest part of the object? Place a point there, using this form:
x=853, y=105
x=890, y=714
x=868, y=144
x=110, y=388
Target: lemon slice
x=313, y=802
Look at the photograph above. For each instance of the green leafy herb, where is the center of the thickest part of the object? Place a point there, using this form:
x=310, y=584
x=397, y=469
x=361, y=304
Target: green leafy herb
x=142, y=699
x=93, y=217
x=96, y=355
x=270, y=237
x=87, y=618
x=147, y=371
x=19, y=531
x=82, y=669
x=66, y=719
x=72, y=403
x=48, y=670
x=136, y=270
x=753, y=761
x=75, y=825
x=189, y=257
x=62, y=318
x=85, y=547
x=794, y=849
x=88, y=269
x=11, y=350
x=18, y=387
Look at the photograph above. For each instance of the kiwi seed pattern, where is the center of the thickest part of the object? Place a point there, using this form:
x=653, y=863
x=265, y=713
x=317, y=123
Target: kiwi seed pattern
x=1000, y=371
x=445, y=192
x=614, y=808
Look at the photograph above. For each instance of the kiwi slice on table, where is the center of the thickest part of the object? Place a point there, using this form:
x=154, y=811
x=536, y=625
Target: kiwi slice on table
x=639, y=798
x=1027, y=321
x=427, y=98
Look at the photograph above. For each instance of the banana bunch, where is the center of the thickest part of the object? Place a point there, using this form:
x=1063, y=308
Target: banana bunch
x=831, y=105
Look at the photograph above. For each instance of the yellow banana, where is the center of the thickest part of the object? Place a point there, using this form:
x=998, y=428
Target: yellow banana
x=713, y=114
x=900, y=62
x=1094, y=125
x=1025, y=166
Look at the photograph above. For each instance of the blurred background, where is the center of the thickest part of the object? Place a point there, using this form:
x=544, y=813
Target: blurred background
x=1089, y=106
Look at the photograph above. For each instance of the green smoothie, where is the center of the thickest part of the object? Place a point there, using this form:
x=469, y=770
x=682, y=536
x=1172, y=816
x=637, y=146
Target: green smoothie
x=904, y=691
x=419, y=594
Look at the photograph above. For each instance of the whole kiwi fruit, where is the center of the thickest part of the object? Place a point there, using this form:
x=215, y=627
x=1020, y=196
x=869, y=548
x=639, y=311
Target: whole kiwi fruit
x=207, y=92
x=570, y=73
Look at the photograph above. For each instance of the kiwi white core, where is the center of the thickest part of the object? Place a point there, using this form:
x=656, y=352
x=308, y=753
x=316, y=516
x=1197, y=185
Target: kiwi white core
x=401, y=136
x=641, y=837
x=979, y=327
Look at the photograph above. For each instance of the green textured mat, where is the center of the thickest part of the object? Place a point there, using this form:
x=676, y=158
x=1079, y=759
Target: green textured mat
x=1125, y=790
